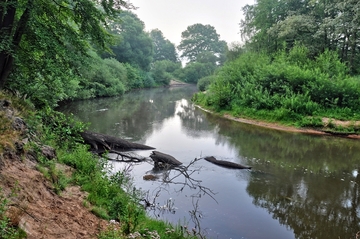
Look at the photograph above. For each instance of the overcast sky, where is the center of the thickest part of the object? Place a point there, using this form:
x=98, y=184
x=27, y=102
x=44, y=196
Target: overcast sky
x=173, y=16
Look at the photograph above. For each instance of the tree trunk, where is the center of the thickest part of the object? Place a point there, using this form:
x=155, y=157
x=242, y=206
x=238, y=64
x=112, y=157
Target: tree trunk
x=11, y=36
x=159, y=157
x=101, y=143
x=227, y=164
x=7, y=17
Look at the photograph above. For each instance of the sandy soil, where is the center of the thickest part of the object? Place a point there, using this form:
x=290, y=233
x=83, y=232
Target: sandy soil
x=39, y=211
x=295, y=129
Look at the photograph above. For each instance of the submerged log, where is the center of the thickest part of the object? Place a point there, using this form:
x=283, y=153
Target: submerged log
x=224, y=163
x=102, y=142
x=159, y=157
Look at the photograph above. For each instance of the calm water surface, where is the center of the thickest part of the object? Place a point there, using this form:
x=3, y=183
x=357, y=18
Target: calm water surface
x=301, y=186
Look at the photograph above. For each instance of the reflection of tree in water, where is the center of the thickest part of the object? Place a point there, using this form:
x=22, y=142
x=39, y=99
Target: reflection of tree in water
x=134, y=115
x=306, y=182
x=291, y=150
x=192, y=120
x=311, y=205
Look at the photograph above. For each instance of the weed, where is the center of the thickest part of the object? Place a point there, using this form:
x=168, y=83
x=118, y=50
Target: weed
x=100, y=212
x=6, y=230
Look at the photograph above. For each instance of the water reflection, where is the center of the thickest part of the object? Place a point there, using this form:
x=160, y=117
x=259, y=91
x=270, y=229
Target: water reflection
x=301, y=186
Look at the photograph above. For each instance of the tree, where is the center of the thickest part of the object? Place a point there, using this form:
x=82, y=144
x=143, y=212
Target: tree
x=197, y=39
x=319, y=25
x=52, y=31
x=163, y=48
x=135, y=45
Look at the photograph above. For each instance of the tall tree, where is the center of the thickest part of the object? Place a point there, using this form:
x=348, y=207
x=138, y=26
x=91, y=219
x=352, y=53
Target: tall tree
x=163, y=48
x=68, y=25
x=134, y=45
x=317, y=24
x=197, y=39
x=258, y=19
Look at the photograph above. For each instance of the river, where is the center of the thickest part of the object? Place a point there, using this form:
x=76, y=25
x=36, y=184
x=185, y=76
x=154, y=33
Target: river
x=300, y=186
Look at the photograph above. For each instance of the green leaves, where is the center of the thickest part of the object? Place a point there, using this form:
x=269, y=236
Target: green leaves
x=163, y=48
x=318, y=25
x=48, y=42
x=199, y=38
x=286, y=86
x=135, y=46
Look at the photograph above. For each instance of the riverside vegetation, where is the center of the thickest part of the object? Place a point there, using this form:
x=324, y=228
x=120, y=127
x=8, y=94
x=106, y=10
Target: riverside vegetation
x=286, y=87
x=109, y=196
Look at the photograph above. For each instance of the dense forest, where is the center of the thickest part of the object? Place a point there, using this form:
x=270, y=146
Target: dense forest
x=299, y=64
x=55, y=51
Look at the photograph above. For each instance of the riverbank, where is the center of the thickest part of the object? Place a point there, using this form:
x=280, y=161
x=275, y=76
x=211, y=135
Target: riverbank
x=278, y=126
x=52, y=187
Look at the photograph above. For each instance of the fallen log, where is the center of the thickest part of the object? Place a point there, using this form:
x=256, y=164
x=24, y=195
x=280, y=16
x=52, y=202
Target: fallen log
x=128, y=157
x=159, y=157
x=227, y=164
x=102, y=142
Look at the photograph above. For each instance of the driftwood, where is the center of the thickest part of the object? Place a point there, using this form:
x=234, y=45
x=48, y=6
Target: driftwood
x=162, y=158
x=128, y=157
x=224, y=163
x=101, y=142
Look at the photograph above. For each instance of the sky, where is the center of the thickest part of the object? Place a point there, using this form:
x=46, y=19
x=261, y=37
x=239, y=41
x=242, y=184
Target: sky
x=172, y=17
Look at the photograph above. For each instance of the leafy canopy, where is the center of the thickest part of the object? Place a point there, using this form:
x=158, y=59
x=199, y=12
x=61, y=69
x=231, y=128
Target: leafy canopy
x=134, y=45
x=318, y=25
x=197, y=39
x=163, y=48
x=47, y=40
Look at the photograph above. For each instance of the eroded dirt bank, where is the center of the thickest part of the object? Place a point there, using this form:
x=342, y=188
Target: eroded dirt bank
x=39, y=211
x=33, y=204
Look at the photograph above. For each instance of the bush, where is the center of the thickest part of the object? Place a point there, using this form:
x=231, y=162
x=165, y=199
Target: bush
x=203, y=83
x=289, y=83
x=163, y=71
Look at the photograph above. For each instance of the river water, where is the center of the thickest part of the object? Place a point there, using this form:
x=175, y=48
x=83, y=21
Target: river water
x=300, y=186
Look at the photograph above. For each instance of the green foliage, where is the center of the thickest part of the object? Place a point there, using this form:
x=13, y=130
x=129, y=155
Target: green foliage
x=135, y=45
x=110, y=195
x=287, y=86
x=314, y=24
x=51, y=40
x=106, y=194
x=204, y=82
x=234, y=51
x=134, y=77
x=57, y=127
x=100, y=212
x=102, y=77
x=163, y=48
x=6, y=230
x=194, y=71
x=162, y=71
x=197, y=39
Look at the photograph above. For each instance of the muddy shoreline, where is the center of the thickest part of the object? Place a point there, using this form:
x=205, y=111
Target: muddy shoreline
x=278, y=126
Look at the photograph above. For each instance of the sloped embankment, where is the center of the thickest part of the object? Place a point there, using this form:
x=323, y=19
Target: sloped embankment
x=33, y=204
